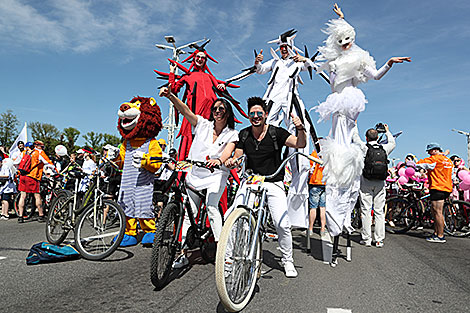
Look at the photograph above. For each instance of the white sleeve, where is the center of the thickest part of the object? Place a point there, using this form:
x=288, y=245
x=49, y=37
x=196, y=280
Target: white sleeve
x=371, y=72
x=391, y=144
x=356, y=139
x=263, y=68
x=199, y=124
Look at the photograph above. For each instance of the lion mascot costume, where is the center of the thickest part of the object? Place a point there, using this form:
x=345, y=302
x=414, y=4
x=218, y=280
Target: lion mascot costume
x=139, y=123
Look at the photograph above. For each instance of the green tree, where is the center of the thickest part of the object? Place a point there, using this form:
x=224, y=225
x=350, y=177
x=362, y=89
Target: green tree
x=111, y=139
x=94, y=140
x=8, y=128
x=70, y=137
x=47, y=133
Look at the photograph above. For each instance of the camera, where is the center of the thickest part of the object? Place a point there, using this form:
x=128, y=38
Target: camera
x=380, y=128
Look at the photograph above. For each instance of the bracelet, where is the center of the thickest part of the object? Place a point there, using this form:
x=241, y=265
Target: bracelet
x=300, y=129
x=220, y=161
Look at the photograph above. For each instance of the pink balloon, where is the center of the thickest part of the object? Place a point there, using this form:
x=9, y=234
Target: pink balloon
x=403, y=180
x=409, y=171
x=464, y=186
x=401, y=171
x=466, y=180
x=463, y=174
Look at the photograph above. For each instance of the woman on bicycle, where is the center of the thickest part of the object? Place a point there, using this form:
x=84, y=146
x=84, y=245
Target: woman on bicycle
x=214, y=141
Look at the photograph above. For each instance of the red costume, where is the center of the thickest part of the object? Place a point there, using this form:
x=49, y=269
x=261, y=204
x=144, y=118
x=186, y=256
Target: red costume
x=200, y=93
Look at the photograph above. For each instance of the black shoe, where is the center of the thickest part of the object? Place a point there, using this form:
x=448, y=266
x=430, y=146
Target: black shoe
x=20, y=220
x=41, y=219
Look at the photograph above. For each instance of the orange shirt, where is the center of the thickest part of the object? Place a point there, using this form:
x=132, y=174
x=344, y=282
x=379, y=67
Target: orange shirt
x=440, y=178
x=317, y=174
x=38, y=159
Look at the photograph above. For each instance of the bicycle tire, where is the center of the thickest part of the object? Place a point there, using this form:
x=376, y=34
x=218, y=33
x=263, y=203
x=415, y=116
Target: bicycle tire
x=98, y=235
x=164, y=245
x=231, y=261
x=400, y=215
x=461, y=219
x=449, y=219
x=57, y=227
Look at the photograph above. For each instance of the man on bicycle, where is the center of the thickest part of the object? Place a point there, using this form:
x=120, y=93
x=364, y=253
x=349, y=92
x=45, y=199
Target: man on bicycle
x=263, y=146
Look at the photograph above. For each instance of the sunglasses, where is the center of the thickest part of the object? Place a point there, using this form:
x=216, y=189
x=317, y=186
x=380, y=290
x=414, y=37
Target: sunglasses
x=200, y=57
x=257, y=114
x=218, y=109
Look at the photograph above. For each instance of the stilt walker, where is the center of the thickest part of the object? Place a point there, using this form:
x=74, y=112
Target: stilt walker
x=283, y=99
x=348, y=66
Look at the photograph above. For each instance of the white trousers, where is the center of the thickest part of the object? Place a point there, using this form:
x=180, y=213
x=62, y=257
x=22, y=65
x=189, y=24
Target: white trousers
x=372, y=193
x=213, y=195
x=277, y=203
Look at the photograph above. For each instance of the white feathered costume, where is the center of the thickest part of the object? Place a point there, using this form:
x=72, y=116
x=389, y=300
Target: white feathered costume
x=343, y=159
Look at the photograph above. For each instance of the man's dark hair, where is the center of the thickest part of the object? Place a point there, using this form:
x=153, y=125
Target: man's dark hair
x=372, y=134
x=256, y=101
x=455, y=156
x=228, y=112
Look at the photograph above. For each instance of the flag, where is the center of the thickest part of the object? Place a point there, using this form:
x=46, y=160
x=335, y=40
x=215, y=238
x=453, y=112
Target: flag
x=385, y=140
x=14, y=151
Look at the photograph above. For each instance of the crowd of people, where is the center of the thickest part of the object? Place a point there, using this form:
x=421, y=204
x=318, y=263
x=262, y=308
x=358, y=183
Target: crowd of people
x=351, y=168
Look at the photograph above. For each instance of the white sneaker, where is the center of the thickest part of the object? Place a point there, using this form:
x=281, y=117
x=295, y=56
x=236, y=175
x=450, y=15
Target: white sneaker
x=304, y=233
x=290, y=270
x=365, y=243
x=4, y=218
x=379, y=244
x=181, y=261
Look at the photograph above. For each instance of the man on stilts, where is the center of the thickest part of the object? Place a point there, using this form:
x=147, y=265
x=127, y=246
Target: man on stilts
x=283, y=99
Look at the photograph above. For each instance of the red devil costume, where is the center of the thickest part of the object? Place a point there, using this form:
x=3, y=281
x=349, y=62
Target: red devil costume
x=201, y=90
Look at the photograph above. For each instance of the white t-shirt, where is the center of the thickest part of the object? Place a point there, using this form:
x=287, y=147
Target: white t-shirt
x=203, y=147
x=9, y=186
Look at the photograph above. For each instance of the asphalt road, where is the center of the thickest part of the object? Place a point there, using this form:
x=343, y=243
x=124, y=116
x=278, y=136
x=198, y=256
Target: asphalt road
x=407, y=275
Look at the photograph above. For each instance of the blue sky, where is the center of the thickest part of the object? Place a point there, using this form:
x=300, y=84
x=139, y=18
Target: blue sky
x=72, y=63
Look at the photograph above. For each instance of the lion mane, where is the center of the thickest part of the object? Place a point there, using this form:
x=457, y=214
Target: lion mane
x=149, y=124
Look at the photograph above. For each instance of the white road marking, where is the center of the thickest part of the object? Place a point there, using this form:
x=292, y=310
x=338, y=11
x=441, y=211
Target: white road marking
x=334, y=310
x=3, y=257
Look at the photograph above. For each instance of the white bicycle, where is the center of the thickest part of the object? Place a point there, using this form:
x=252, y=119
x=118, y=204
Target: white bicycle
x=239, y=251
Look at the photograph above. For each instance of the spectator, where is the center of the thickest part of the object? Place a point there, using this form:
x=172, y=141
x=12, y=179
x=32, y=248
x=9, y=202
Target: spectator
x=30, y=183
x=440, y=186
x=7, y=185
x=18, y=155
x=372, y=191
x=316, y=196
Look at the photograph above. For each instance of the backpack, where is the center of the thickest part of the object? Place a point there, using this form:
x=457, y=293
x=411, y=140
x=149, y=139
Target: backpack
x=44, y=252
x=271, y=131
x=25, y=164
x=375, y=163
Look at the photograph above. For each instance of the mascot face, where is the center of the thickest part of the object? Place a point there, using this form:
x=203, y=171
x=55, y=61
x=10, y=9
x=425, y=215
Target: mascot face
x=139, y=118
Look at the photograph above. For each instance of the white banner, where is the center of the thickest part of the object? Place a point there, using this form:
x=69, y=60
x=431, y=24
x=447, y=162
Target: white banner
x=15, y=153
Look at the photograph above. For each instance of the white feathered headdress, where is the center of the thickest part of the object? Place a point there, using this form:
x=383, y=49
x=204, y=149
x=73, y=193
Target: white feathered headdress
x=339, y=33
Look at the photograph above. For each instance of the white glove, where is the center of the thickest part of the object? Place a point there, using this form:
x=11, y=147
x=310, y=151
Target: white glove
x=137, y=159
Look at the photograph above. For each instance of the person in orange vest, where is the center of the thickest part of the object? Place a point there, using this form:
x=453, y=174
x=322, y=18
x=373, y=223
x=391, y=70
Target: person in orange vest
x=316, y=195
x=30, y=182
x=440, y=186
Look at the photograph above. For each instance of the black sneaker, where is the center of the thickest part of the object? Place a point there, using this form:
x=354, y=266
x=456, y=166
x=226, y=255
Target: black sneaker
x=41, y=219
x=20, y=220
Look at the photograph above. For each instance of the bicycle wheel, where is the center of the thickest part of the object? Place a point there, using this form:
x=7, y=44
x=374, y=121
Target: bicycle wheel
x=98, y=232
x=58, y=224
x=400, y=215
x=235, y=273
x=164, y=245
x=449, y=219
x=462, y=209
